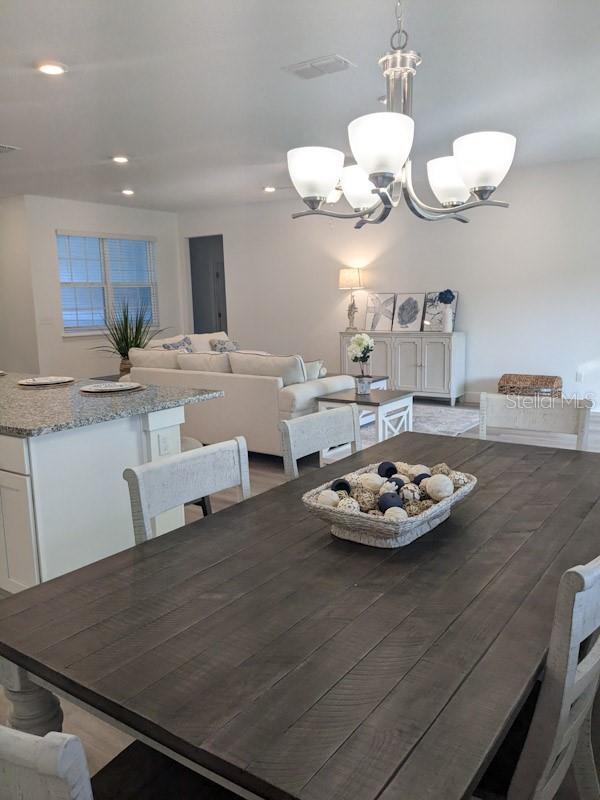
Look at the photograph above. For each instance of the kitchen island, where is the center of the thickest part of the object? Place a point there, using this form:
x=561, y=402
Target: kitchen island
x=63, y=500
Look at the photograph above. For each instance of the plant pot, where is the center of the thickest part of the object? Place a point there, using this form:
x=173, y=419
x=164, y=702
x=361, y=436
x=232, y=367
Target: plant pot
x=125, y=366
x=447, y=319
x=362, y=384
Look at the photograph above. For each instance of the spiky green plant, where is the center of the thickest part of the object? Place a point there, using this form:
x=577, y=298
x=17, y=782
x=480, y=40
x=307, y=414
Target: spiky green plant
x=125, y=330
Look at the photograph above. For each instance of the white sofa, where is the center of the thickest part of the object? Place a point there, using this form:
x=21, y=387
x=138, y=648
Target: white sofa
x=253, y=404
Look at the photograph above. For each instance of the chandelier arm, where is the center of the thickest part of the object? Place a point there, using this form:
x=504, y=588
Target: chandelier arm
x=385, y=212
x=319, y=212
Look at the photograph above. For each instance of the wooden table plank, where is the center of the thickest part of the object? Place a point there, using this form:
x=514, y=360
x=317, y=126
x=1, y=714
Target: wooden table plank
x=307, y=668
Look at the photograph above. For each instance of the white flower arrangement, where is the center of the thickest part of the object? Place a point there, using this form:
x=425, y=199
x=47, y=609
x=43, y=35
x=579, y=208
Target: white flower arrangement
x=360, y=348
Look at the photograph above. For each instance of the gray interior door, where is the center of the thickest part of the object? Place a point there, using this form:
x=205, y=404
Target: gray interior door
x=208, y=284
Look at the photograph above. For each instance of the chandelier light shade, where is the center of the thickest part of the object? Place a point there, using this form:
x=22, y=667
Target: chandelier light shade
x=446, y=181
x=381, y=142
x=484, y=159
x=358, y=189
x=315, y=171
x=334, y=196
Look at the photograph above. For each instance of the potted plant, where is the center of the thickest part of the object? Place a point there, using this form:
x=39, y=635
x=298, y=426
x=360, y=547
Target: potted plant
x=359, y=351
x=125, y=330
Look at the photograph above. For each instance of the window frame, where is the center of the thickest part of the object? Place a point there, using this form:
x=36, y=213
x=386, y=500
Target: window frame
x=107, y=285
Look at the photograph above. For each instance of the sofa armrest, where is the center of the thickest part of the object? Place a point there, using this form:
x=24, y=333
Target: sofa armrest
x=301, y=398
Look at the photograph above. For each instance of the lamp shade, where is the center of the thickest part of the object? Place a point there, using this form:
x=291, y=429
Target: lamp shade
x=381, y=142
x=446, y=181
x=315, y=171
x=358, y=189
x=484, y=158
x=349, y=278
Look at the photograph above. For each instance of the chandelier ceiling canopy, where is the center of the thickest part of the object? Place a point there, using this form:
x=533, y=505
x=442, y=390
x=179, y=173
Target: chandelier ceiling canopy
x=381, y=145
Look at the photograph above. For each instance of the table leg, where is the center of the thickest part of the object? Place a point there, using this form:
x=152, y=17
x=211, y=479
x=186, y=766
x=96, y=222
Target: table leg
x=33, y=709
x=380, y=423
x=410, y=415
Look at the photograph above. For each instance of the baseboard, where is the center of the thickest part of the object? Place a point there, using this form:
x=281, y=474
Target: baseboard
x=471, y=397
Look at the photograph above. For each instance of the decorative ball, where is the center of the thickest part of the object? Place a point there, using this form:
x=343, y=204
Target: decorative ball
x=423, y=490
x=389, y=500
x=439, y=487
x=349, y=505
x=400, y=478
x=386, y=469
x=389, y=486
x=341, y=485
x=418, y=478
x=417, y=469
x=402, y=467
x=425, y=504
x=441, y=469
x=395, y=514
x=413, y=509
x=375, y=512
x=353, y=479
x=341, y=493
x=365, y=499
x=410, y=492
x=371, y=481
x=458, y=479
x=328, y=498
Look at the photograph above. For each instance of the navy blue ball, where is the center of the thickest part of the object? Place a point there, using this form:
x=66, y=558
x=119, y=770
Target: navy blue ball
x=389, y=500
x=420, y=478
x=398, y=481
x=341, y=485
x=386, y=469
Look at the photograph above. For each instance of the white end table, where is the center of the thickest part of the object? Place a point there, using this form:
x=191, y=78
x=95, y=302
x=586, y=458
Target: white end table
x=392, y=409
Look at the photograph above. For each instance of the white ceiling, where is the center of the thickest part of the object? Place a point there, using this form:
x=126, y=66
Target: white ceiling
x=194, y=90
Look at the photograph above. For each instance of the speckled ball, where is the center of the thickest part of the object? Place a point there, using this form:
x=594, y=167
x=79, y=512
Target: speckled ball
x=399, y=476
x=395, y=514
x=342, y=494
x=402, y=467
x=328, y=498
x=341, y=485
x=386, y=469
x=417, y=469
x=389, y=486
x=425, y=504
x=349, y=505
x=439, y=487
x=441, y=469
x=458, y=479
x=375, y=512
x=371, y=481
x=410, y=493
x=389, y=501
x=365, y=499
x=353, y=479
x=413, y=509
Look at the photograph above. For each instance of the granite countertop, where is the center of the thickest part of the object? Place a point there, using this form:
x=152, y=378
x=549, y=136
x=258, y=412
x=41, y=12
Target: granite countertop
x=33, y=412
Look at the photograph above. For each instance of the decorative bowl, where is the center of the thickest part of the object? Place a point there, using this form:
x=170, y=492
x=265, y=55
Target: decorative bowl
x=380, y=532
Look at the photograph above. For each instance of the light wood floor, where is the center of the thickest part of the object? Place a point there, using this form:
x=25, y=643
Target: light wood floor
x=102, y=742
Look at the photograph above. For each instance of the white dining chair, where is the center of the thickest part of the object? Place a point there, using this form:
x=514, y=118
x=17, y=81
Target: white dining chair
x=559, y=734
x=318, y=432
x=554, y=415
x=176, y=480
x=54, y=767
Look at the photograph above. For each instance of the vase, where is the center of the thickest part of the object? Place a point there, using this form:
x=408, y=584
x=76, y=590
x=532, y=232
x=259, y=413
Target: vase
x=362, y=384
x=124, y=366
x=447, y=319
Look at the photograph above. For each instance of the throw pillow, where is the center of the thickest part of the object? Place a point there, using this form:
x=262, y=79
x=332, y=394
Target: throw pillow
x=184, y=345
x=313, y=370
x=224, y=346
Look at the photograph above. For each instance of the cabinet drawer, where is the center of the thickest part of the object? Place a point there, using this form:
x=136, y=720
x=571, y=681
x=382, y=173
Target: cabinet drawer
x=14, y=455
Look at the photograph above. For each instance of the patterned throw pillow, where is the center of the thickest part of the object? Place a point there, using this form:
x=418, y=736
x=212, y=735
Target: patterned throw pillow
x=184, y=345
x=224, y=346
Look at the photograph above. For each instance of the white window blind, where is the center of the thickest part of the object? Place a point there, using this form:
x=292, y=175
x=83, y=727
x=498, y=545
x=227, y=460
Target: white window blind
x=100, y=274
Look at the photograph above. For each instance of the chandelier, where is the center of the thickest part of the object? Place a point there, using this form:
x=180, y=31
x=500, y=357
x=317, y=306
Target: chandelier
x=381, y=145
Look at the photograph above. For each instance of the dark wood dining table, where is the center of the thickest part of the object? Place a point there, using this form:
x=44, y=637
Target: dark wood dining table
x=294, y=666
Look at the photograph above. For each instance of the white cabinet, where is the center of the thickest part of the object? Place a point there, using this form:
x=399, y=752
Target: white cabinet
x=428, y=364
x=18, y=552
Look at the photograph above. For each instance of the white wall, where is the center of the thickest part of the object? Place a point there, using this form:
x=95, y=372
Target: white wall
x=528, y=277
x=72, y=355
x=18, y=340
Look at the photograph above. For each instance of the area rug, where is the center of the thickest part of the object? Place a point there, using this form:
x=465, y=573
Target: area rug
x=433, y=418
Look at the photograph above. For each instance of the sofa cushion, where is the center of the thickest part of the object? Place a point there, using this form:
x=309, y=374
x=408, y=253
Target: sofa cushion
x=204, y=362
x=302, y=398
x=162, y=359
x=201, y=341
x=313, y=370
x=289, y=368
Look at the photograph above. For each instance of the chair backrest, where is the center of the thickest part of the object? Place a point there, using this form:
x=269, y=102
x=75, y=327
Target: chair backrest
x=559, y=734
x=545, y=414
x=52, y=767
x=173, y=481
x=313, y=433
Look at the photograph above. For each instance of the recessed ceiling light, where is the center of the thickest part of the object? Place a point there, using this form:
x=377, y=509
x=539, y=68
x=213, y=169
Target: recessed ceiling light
x=121, y=159
x=270, y=189
x=127, y=192
x=53, y=68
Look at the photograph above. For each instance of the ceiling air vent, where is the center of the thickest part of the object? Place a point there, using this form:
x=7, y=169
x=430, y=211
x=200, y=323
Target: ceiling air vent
x=317, y=67
x=7, y=148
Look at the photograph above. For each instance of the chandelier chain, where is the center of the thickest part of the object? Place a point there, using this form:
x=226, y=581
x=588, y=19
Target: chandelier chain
x=399, y=38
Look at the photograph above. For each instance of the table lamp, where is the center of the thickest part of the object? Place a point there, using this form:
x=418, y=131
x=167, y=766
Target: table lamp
x=349, y=279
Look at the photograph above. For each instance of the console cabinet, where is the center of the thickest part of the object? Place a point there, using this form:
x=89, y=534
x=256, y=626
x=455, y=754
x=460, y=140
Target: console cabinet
x=428, y=364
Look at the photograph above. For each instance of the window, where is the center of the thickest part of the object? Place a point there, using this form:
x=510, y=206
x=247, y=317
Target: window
x=99, y=275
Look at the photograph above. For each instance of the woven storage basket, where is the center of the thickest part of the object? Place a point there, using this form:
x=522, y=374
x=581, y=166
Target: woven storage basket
x=377, y=532
x=530, y=385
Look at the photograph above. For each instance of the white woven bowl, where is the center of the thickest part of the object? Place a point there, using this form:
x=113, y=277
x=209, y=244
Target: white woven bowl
x=377, y=531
